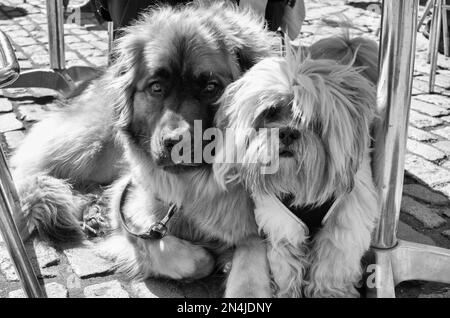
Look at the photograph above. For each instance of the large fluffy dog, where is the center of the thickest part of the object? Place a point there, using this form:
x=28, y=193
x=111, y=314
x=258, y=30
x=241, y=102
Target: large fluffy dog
x=169, y=70
x=321, y=107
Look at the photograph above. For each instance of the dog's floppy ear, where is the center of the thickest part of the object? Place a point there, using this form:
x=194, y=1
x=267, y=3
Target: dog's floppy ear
x=121, y=75
x=352, y=100
x=247, y=37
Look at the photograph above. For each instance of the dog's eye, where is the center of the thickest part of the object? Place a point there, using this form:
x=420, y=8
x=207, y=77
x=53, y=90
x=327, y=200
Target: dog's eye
x=155, y=88
x=270, y=113
x=211, y=88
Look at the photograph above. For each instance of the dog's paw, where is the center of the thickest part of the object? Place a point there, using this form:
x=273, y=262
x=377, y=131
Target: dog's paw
x=180, y=259
x=95, y=221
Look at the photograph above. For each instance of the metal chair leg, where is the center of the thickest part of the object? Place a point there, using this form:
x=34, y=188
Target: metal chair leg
x=9, y=201
x=446, y=37
x=397, y=260
x=425, y=13
x=435, y=34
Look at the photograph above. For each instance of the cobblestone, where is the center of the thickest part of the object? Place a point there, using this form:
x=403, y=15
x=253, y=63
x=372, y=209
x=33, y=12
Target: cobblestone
x=422, y=213
x=425, y=171
x=423, y=121
x=425, y=194
x=111, y=289
x=407, y=233
x=427, y=108
x=9, y=122
x=13, y=138
x=52, y=290
x=420, y=135
x=444, y=132
x=443, y=145
x=5, y=105
x=86, y=263
x=446, y=233
x=31, y=112
x=436, y=99
x=428, y=152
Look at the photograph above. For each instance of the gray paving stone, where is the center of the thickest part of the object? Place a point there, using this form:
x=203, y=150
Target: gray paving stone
x=5, y=105
x=427, y=172
x=46, y=255
x=86, y=263
x=420, y=135
x=424, y=150
x=446, y=233
x=440, y=100
x=421, y=85
x=442, y=210
x=16, y=93
x=423, y=121
x=53, y=290
x=111, y=289
x=444, y=132
x=445, y=189
x=443, y=145
x=9, y=122
x=407, y=233
x=6, y=266
x=425, y=194
x=31, y=112
x=422, y=213
x=427, y=108
x=40, y=92
x=13, y=138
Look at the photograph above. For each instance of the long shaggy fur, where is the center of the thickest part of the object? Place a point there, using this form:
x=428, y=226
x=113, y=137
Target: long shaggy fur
x=328, y=99
x=116, y=127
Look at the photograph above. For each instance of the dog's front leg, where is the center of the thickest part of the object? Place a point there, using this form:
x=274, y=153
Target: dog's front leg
x=339, y=246
x=249, y=276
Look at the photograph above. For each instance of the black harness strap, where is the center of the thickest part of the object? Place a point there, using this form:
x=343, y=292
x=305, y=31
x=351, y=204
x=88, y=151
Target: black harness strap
x=311, y=216
x=156, y=231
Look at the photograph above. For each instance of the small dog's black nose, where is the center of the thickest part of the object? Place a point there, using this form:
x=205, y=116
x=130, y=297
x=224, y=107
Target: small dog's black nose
x=288, y=135
x=169, y=143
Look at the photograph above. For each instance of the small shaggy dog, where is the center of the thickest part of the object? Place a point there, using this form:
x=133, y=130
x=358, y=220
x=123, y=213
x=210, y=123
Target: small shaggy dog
x=170, y=69
x=320, y=108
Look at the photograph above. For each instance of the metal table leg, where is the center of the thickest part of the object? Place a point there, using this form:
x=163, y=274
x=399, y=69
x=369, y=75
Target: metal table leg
x=398, y=260
x=9, y=201
x=57, y=77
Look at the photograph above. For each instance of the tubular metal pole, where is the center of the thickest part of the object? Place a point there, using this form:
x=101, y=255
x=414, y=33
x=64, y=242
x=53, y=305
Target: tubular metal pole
x=55, y=16
x=9, y=204
x=396, y=65
x=435, y=34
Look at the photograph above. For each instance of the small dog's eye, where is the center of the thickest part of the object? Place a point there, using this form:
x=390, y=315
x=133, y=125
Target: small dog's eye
x=156, y=88
x=270, y=113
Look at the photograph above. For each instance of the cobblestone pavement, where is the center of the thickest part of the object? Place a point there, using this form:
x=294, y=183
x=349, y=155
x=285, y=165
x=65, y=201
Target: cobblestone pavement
x=78, y=272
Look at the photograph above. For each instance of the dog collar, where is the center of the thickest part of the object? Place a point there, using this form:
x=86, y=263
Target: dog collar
x=156, y=231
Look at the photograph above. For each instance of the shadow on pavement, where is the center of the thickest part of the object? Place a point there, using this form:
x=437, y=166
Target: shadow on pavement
x=11, y=12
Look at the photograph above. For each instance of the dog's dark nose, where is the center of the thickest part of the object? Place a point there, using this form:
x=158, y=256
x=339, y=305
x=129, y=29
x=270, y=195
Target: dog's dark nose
x=288, y=136
x=169, y=143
